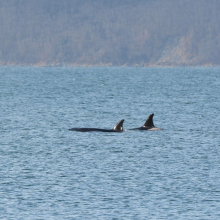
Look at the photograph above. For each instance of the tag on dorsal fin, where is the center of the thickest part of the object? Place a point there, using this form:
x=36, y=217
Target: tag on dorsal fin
x=119, y=126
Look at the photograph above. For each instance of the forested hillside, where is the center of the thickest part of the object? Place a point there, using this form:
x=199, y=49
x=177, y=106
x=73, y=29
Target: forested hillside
x=114, y=32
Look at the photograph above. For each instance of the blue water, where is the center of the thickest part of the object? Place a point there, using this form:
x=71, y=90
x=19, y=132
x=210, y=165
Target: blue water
x=48, y=172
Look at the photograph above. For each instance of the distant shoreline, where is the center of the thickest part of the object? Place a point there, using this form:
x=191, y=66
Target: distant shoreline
x=98, y=65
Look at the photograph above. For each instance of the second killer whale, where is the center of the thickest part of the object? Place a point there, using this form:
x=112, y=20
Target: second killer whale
x=148, y=125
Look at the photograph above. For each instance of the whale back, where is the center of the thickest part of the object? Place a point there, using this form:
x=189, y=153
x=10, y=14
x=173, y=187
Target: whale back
x=119, y=126
x=149, y=121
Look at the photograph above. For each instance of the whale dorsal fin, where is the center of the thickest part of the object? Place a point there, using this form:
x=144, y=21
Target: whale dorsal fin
x=119, y=126
x=149, y=121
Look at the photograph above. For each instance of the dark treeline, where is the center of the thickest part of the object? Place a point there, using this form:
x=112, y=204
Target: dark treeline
x=116, y=32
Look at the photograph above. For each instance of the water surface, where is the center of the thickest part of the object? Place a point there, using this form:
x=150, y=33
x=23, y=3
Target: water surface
x=48, y=172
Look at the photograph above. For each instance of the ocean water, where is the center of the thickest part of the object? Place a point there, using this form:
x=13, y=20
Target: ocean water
x=49, y=172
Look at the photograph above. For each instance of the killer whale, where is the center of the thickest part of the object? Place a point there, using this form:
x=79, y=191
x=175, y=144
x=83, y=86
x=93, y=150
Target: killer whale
x=117, y=128
x=148, y=125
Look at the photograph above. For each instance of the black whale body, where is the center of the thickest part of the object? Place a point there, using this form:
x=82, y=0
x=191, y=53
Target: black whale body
x=118, y=128
x=148, y=125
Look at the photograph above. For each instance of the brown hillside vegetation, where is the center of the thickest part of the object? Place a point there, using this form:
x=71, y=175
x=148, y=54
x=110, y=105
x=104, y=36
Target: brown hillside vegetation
x=116, y=32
